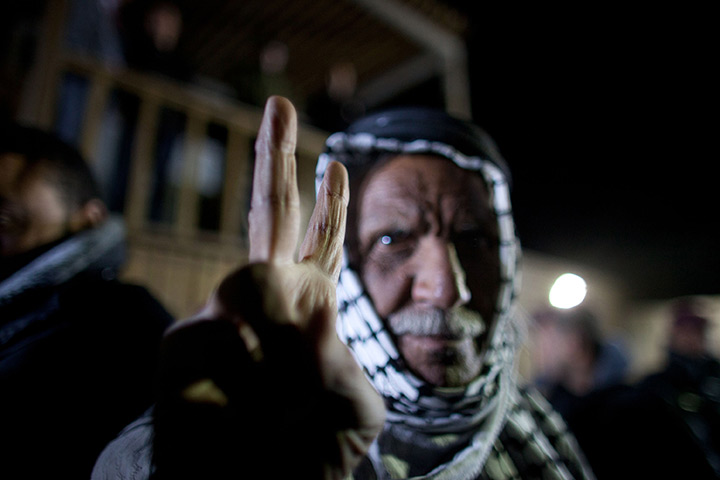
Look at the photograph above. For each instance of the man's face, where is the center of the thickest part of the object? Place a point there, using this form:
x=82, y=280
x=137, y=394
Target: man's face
x=32, y=213
x=428, y=247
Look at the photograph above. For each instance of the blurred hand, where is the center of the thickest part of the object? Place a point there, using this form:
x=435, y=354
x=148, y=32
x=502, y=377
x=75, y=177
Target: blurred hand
x=259, y=380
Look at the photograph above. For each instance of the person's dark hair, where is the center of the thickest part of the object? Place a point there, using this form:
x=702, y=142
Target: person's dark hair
x=70, y=173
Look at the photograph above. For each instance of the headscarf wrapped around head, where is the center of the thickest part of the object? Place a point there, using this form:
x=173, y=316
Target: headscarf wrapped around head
x=409, y=399
x=460, y=428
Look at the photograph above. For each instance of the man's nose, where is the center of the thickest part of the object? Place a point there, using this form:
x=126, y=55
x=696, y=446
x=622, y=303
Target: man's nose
x=439, y=279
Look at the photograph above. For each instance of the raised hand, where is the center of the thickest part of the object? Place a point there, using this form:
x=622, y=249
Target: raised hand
x=265, y=387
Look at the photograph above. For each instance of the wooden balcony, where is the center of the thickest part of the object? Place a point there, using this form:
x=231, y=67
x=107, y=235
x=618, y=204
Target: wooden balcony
x=178, y=258
x=393, y=44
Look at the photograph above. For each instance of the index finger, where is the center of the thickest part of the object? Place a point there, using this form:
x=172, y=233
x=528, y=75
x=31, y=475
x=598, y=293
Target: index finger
x=274, y=219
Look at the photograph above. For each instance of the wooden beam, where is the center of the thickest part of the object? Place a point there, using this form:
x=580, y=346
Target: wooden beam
x=93, y=116
x=188, y=209
x=408, y=74
x=457, y=86
x=136, y=201
x=436, y=39
x=39, y=94
x=414, y=25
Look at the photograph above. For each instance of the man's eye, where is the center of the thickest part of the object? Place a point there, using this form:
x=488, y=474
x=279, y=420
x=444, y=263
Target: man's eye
x=393, y=238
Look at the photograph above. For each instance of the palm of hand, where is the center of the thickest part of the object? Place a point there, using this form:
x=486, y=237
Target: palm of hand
x=296, y=394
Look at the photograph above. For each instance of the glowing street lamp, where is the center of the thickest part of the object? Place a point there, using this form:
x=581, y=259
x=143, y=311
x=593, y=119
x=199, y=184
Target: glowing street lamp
x=568, y=291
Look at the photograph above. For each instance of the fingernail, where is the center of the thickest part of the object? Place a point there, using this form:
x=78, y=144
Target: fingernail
x=281, y=121
x=337, y=180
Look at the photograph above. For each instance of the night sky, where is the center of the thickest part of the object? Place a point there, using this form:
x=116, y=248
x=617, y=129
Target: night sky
x=605, y=118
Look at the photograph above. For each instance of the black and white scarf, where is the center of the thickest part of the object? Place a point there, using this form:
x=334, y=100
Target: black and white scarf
x=477, y=412
x=98, y=249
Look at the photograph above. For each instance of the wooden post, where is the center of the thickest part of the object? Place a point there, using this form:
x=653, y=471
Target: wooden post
x=434, y=38
x=457, y=85
x=41, y=87
x=136, y=202
x=92, y=121
x=188, y=211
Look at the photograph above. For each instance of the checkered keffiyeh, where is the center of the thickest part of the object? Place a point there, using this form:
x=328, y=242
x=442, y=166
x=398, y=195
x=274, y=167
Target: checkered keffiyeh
x=483, y=408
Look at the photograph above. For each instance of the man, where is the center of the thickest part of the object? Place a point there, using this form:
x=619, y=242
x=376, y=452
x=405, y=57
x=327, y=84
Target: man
x=689, y=382
x=630, y=430
x=77, y=347
x=257, y=385
x=574, y=358
x=426, y=303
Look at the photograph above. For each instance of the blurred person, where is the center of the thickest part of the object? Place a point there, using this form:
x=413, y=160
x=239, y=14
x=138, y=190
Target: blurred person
x=574, y=358
x=689, y=383
x=94, y=32
x=151, y=33
x=625, y=430
x=272, y=75
x=77, y=347
x=337, y=105
x=266, y=75
x=259, y=385
x=91, y=31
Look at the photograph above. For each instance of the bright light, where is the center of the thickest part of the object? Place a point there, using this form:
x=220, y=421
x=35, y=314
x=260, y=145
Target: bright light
x=568, y=291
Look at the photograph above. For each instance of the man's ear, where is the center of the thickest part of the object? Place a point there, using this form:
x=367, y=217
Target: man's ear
x=90, y=215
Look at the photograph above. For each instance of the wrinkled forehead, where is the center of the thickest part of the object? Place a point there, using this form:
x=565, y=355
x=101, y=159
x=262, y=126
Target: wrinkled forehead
x=404, y=188
x=427, y=181
x=361, y=153
x=364, y=153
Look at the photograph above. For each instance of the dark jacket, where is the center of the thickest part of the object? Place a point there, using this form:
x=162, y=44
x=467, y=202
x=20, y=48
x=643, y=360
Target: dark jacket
x=77, y=363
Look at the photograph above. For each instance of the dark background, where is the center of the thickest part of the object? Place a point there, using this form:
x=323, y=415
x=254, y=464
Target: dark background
x=607, y=118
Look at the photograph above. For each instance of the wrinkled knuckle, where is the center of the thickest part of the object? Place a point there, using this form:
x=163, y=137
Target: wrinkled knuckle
x=326, y=229
x=279, y=199
x=337, y=196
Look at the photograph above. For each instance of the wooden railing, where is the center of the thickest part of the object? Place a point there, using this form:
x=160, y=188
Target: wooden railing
x=178, y=260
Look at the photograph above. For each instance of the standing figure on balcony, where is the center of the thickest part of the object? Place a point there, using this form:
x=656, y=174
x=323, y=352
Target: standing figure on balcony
x=77, y=347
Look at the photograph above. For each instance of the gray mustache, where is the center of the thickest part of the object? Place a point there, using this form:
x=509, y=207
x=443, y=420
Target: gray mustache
x=457, y=323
